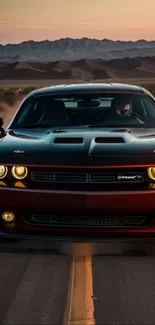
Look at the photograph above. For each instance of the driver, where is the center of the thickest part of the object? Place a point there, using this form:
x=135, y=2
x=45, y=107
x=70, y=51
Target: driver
x=123, y=107
x=122, y=112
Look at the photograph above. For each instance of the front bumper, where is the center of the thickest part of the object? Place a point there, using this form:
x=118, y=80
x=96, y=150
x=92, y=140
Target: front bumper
x=127, y=202
x=11, y=198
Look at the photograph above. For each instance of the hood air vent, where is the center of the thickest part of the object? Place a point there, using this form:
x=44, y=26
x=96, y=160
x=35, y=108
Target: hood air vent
x=68, y=140
x=109, y=140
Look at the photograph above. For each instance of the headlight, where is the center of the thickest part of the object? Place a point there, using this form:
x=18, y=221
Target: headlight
x=19, y=172
x=151, y=173
x=3, y=171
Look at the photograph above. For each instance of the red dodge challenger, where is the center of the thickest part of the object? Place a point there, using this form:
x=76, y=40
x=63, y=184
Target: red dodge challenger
x=79, y=160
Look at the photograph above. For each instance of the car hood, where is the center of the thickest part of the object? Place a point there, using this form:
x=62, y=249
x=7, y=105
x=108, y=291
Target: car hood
x=78, y=146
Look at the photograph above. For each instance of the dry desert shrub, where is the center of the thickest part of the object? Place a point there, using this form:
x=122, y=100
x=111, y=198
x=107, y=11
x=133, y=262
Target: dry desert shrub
x=10, y=99
x=11, y=95
x=150, y=87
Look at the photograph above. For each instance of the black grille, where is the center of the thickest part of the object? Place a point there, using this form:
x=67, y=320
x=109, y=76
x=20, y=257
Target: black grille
x=50, y=220
x=87, y=178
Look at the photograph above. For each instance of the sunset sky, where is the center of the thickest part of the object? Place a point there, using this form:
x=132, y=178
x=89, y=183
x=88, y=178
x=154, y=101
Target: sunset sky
x=22, y=20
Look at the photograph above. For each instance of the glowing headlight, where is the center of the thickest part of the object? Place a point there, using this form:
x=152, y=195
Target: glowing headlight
x=151, y=172
x=3, y=171
x=19, y=172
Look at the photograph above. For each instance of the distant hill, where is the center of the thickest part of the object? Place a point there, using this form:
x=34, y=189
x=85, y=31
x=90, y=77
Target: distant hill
x=84, y=69
x=68, y=49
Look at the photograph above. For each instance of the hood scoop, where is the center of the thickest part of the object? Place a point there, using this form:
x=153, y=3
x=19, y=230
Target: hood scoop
x=109, y=140
x=68, y=140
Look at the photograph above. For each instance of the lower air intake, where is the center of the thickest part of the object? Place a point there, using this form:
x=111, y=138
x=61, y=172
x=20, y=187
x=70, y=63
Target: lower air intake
x=86, y=221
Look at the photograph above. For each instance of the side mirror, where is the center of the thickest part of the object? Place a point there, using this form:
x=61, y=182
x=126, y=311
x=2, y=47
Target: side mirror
x=1, y=122
x=2, y=131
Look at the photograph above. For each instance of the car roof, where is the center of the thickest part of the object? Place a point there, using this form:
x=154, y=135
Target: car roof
x=88, y=87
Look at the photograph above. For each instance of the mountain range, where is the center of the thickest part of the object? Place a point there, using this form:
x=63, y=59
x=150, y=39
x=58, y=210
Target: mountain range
x=75, y=49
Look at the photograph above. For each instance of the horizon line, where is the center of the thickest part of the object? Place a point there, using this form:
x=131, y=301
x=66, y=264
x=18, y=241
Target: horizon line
x=76, y=38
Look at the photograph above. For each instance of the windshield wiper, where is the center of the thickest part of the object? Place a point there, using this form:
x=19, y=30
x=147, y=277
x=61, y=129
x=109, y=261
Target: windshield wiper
x=56, y=128
x=112, y=126
x=107, y=126
x=34, y=126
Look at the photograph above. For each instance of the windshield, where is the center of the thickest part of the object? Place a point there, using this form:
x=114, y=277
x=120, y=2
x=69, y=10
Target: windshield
x=133, y=110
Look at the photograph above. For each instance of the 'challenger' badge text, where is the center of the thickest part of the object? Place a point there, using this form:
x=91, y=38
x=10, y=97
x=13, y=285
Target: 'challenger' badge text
x=131, y=177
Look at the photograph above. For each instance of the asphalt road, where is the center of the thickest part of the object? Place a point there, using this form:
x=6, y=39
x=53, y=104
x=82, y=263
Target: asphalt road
x=76, y=284
x=48, y=82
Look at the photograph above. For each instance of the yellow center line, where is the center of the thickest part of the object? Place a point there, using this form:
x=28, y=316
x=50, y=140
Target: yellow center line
x=80, y=305
x=89, y=302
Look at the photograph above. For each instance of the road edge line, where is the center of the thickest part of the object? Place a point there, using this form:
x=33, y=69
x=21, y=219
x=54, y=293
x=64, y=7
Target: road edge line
x=68, y=308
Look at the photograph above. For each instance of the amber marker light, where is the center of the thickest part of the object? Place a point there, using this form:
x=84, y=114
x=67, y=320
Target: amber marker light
x=19, y=184
x=19, y=172
x=2, y=183
x=3, y=171
x=151, y=173
x=152, y=185
x=8, y=216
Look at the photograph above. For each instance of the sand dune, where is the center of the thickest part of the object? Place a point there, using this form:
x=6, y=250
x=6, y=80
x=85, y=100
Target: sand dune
x=80, y=69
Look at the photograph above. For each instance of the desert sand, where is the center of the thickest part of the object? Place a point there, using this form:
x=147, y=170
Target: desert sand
x=79, y=70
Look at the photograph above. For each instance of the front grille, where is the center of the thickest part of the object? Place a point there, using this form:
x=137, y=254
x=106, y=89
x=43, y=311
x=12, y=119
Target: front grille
x=87, y=178
x=59, y=177
x=50, y=220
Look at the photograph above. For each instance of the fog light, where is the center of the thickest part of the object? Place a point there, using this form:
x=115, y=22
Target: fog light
x=151, y=173
x=3, y=171
x=19, y=172
x=8, y=216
